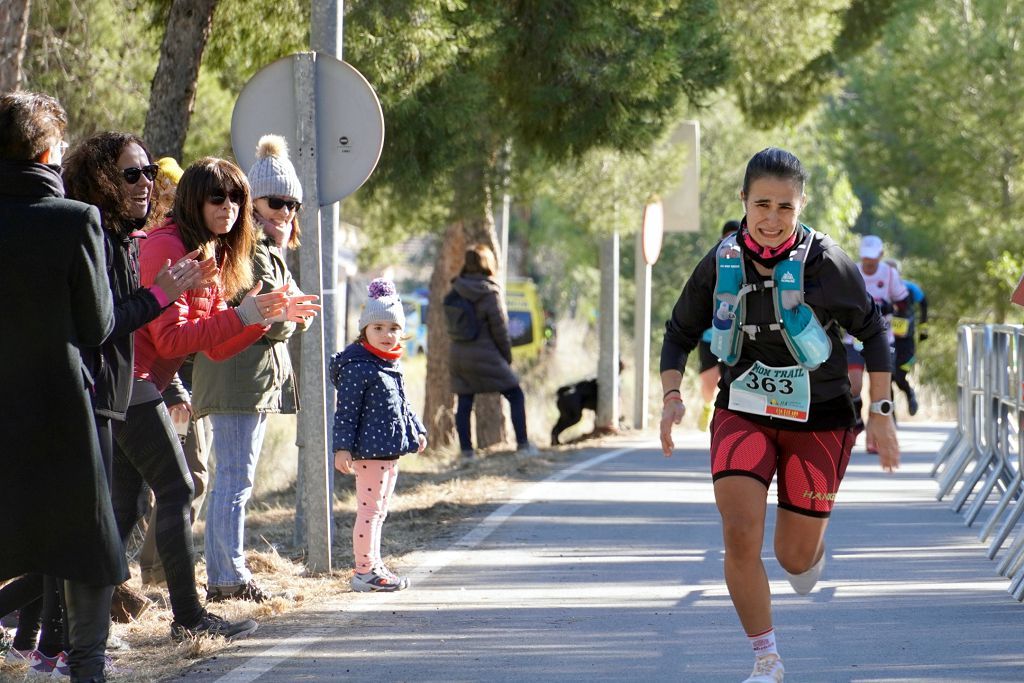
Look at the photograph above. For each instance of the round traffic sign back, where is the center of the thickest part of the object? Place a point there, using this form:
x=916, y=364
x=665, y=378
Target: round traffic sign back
x=349, y=122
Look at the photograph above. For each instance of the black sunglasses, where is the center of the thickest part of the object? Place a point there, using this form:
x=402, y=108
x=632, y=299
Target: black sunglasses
x=236, y=197
x=133, y=173
x=276, y=203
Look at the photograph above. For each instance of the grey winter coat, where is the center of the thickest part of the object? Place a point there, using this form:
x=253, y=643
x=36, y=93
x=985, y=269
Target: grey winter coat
x=483, y=366
x=258, y=379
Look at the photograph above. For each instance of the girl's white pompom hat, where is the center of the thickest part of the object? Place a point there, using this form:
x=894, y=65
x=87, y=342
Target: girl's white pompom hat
x=272, y=174
x=383, y=306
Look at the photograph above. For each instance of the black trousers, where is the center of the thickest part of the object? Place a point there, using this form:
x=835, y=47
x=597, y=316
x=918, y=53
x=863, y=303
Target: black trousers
x=88, y=621
x=147, y=449
x=905, y=348
x=517, y=407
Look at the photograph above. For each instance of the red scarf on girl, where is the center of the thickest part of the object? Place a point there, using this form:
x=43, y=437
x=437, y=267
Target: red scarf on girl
x=393, y=354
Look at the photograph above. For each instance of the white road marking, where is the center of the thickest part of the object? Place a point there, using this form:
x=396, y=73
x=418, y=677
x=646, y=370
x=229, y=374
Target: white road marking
x=434, y=562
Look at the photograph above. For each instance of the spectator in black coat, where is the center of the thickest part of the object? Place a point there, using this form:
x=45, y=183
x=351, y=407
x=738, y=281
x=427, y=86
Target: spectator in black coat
x=484, y=365
x=53, y=492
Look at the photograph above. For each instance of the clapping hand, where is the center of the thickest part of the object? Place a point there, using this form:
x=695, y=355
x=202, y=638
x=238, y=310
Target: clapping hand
x=271, y=304
x=298, y=306
x=185, y=274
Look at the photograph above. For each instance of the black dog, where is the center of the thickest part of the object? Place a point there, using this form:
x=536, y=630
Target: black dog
x=571, y=401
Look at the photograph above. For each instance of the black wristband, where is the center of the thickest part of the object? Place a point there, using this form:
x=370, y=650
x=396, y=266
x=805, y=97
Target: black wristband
x=671, y=391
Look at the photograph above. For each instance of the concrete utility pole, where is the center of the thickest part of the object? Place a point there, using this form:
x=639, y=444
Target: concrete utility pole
x=326, y=37
x=648, y=246
x=314, y=522
x=641, y=334
x=608, y=358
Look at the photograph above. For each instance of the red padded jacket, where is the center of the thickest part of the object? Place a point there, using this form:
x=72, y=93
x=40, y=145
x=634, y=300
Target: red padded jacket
x=200, y=319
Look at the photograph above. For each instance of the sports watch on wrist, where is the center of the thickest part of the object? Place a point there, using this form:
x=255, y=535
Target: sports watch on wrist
x=883, y=407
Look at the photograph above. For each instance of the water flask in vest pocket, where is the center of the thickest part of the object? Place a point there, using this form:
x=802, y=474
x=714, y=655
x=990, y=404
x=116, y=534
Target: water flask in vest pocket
x=725, y=336
x=807, y=340
x=724, y=340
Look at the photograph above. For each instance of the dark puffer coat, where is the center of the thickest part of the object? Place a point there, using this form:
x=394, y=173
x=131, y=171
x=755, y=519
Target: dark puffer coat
x=373, y=419
x=483, y=366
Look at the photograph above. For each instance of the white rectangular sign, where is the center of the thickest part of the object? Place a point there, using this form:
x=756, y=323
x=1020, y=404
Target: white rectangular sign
x=682, y=204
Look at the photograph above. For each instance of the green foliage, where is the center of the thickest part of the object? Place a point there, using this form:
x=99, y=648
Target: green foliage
x=791, y=51
x=572, y=75
x=933, y=139
x=98, y=58
x=553, y=78
x=248, y=35
x=564, y=259
x=210, y=126
x=95, y=56
x=933, y=132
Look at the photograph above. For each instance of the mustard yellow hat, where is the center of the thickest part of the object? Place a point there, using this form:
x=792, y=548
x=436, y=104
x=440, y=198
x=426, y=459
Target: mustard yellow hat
x=170, y=169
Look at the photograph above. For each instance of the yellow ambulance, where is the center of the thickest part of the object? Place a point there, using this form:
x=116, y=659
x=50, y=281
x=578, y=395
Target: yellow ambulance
x=525, y=318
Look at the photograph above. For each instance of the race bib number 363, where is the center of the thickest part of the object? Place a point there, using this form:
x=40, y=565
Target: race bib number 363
x=776, y=392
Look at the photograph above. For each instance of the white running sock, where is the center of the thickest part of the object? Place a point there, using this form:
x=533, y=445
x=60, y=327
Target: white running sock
x=763, y=643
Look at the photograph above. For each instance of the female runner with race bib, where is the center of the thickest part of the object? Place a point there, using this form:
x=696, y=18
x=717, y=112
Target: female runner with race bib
x=776, y=295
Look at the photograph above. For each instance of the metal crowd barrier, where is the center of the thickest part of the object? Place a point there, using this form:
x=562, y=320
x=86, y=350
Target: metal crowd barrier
x=985, y=456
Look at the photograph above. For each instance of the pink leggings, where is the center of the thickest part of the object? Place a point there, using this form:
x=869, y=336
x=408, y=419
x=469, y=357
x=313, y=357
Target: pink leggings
x=375, y=484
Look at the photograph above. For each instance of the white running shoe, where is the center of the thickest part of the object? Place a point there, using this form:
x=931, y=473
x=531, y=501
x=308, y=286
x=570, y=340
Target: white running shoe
x=804, y=583
x=767, y=669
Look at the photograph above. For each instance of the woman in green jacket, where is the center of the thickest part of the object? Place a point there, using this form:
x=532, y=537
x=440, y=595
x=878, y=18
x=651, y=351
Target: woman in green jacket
x=240, y=392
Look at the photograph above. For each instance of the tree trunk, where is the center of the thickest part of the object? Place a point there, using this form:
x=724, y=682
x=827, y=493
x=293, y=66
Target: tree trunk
x=439, y=414
x=173, y=94
x=439, y=408
x=13, y=33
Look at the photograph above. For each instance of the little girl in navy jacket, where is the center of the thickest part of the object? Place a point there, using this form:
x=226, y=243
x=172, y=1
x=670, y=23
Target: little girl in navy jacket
x=374, y=426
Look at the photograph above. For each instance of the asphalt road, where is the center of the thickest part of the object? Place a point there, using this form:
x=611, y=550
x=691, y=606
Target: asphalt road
x=612, y=571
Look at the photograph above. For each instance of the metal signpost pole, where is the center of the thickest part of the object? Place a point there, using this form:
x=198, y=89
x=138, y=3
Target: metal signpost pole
x=312, y=422
x=326, y=37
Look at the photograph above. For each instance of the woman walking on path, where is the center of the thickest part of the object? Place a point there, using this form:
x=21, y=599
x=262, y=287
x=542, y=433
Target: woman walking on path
x=483, y=364
x=374, y=426
x=240, y=392
x=784, y=401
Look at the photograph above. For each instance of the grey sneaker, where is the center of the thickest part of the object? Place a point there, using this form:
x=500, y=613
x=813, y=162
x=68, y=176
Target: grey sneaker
x=804, y=583
x=378, y=581
x=245, y=591
x=527, y=449
x=212, y=625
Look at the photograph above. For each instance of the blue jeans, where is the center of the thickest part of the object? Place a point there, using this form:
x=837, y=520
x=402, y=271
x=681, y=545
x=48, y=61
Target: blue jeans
x=237, y=440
